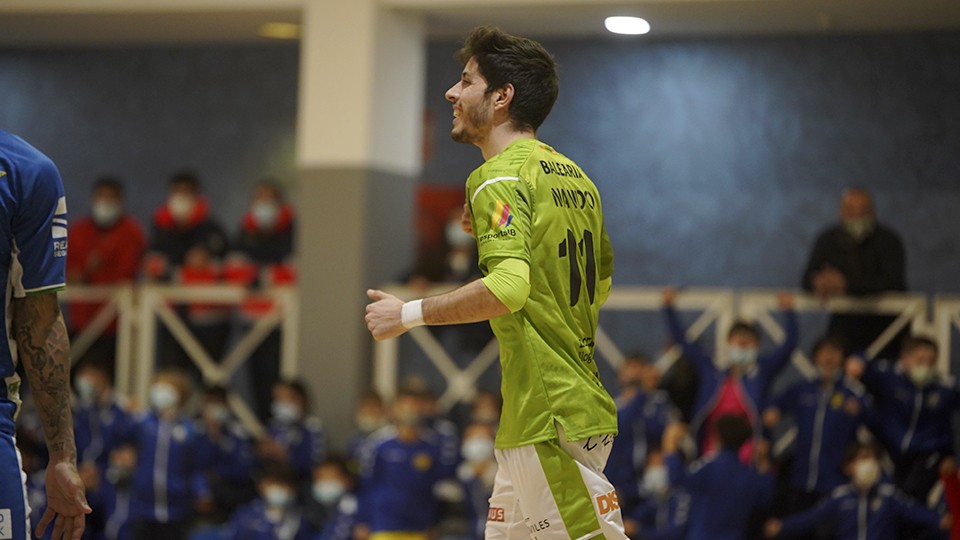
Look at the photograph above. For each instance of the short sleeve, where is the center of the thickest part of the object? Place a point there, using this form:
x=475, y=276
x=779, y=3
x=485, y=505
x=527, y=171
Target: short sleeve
x=39, y=228
x=500, y=208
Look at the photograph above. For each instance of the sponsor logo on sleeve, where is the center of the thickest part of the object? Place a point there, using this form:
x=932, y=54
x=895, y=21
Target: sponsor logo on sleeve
x=501, y=217
x=59, y=229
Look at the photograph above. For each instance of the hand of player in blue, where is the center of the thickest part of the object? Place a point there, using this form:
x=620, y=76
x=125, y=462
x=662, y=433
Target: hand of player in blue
x=383, y=315
x=66, y=502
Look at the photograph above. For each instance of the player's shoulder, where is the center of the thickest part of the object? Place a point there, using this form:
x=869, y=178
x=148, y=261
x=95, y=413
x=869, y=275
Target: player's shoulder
x=26, y=162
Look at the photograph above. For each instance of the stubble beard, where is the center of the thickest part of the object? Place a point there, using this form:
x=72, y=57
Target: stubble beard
x=470, y=124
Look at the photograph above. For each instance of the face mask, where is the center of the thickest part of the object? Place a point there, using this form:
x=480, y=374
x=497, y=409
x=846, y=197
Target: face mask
x=328, y=491
x=369, y=424
x=477, y=449
x=118, y=475
x=163, y=397
x=277, y=496
x=742, y=356
x=181, y=206
x=285, y=412
x=858, y=229
x=218, y=413
x=86, y=390
x=921, y=375
x=656, y=480
x=456, y=236
x=866, y=473
x=408, y=418
x=265, y=213
x=105, y=213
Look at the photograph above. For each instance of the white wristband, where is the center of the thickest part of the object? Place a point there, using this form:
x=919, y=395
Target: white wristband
x=411, y=314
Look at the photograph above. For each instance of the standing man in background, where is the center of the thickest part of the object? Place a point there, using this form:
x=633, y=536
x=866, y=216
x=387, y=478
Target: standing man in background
x=32, y=265
x=547, y=265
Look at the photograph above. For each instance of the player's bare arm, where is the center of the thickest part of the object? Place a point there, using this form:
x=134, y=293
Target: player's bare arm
x=470, y=303
x=44, y=351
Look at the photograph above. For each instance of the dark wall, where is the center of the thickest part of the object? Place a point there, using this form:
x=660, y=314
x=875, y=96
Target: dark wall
x=720, y=160
x=141, y=113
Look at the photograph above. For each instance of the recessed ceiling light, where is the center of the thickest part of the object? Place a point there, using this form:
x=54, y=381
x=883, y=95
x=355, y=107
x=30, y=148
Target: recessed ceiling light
x=627, y=25
x=280, y=30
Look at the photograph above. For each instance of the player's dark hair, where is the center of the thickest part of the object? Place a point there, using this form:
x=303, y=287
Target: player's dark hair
x=111, y=183
x=915, y=342
x=186, y=178
x=733, y=431
x=504, y=59
x=744, y=327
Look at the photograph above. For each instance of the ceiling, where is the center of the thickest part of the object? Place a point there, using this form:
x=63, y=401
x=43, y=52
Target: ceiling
x=29, y=23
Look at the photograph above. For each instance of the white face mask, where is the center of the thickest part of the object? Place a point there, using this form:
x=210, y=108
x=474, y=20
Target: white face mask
x=277, y=496
x=105, y=213
x=866, y=473
x=921, y=375
x=265, y=213
x=656, y=480
x=328, y=491
x=163, y=397
x=217, y=412
x=858, y=229
x=456, y=236
x=285, y=412
x=477, y=449
x=86, y=390
x=181, y=206
x=742, y=356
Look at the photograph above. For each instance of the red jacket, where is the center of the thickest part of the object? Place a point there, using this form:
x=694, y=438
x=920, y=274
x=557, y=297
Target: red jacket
x=98, y=256
x=951, y=491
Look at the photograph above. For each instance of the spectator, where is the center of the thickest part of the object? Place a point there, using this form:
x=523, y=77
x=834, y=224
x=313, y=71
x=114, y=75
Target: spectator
x=169, y=485
x=115, y=495
x=106, y=248
x=294, y=437
x=399, y=468
x=951, y=492
x=643, y=413
x=857, y=257
x=262, y=257
x=867, y=507
x=724, y=493
x=208, y=322
x=915, y=410
x=485, y=408
x=232, y=446
x=454, y=260
x=332, y=505
x=828, y=412
x=663, y=513
x=477, y=473
x=275, y=515
x=739, y=388
x=369, y=417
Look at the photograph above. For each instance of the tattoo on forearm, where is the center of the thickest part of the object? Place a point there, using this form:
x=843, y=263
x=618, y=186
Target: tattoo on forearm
x=44, y=350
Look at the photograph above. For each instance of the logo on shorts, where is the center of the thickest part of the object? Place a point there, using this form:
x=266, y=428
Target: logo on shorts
x=501, y=217
x=495, y=514
x=608, y=503
x=6, y=525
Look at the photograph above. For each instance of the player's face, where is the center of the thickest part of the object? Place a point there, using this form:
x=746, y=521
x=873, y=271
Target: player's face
x=472, y=106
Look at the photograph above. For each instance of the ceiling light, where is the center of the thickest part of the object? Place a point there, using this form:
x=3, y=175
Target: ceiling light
x=627, y=25
x=280, y=30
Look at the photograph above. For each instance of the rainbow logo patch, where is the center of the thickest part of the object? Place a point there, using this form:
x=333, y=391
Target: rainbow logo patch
x=501, y=217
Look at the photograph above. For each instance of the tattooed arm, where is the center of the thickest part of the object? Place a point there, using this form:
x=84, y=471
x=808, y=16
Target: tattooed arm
x=44, y=350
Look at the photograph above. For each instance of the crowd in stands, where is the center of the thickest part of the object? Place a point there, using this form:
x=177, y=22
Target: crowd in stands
x=706, y=450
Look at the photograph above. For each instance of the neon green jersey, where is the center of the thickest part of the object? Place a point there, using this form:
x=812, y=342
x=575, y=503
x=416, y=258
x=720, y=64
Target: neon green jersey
x=532, y=203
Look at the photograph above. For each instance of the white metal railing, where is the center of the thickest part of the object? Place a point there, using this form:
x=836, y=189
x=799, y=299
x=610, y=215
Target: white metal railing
x=717, y=307
x=137, y=310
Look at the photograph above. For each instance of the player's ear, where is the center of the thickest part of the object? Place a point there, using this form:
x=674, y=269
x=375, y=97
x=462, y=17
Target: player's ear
x=504, y=96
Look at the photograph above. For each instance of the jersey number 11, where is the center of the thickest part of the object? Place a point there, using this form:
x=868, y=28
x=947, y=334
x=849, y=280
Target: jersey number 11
x=575, y=250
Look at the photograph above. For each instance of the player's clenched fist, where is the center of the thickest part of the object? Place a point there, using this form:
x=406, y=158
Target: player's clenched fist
x=384, y=315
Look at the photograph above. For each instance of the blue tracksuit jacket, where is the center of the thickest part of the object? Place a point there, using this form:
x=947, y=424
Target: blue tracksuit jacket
x=754, y=382
x=340, y=525
x=827, y=423
x=305, y=442
x=250, y=522
x=875, y=515
x=724, y=494
x=97, y=430
x=663, y=518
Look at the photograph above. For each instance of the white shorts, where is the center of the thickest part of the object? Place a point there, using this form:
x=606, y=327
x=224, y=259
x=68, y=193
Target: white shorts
x=552, y=490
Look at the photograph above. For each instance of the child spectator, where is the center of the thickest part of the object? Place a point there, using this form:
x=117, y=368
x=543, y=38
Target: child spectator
x=400, y=465
x=477, y=473
x=740, y=387
x=643, y=413
x=275, y=515
x=663, y=513
x=369, y=417
x=828, y=412
x=915, y=409
x=867, y=507
x=294, y=437
x=332, y=505
x=725, y=494
x=168, y=482
x=232, y=446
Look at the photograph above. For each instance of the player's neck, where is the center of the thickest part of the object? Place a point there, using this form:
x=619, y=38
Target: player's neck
x=500, y=137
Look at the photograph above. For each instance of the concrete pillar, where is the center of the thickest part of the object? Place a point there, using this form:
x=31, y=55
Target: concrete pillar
x=358, y=149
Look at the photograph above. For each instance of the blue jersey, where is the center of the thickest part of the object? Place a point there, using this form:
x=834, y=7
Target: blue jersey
x=33, y=253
